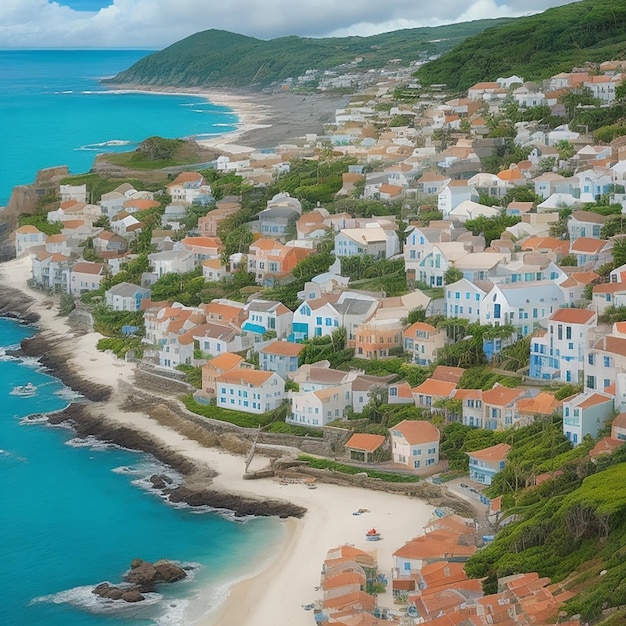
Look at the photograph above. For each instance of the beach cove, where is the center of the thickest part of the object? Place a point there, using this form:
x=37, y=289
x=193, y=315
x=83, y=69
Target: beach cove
x=283, y=578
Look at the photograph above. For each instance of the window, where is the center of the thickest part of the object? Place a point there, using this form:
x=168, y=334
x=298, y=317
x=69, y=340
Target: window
x=607, y=361
x=591, y=382
x=568, y=332
x=318, y=321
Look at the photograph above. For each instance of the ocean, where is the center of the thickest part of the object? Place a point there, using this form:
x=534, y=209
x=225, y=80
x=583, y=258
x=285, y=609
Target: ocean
x=54, y=111
x=75, y=512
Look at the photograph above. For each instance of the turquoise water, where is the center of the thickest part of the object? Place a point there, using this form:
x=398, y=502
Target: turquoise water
x=74, y=513
x=53, y=111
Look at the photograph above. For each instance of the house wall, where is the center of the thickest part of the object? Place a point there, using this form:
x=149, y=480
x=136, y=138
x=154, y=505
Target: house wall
x=250, y=399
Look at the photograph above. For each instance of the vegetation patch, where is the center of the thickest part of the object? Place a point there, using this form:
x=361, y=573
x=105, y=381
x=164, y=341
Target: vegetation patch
x=344, y=468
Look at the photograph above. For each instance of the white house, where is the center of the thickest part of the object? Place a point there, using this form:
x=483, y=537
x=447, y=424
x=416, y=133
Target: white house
x=171, y=261
x=214, y=339
x=372, y=240
x=594, y=182
x=126, y=297
x=558, y=354
x=605, y=365
x=415, y=444
x=85, y=276
x=453, y=194
x=315, y=318
x=249, y=390
x=462, y=299
x=27, y=237
x=320, y=407
x=268, y=316
x=522, y=305
x=586, y=414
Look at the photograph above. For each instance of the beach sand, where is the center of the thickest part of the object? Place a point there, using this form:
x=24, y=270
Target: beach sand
x=265, y=120
x=275, y=591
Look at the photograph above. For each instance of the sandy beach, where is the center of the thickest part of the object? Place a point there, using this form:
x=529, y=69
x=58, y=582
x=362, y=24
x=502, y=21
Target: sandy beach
x=277, y=593
x=265, y=120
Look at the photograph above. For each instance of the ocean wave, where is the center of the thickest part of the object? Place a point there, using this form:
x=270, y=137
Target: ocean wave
x=32, y=361
x=222, y=124
x=83, y=598
x=205, y=509
x=9, y=455
x=112, y=143
x=68, y=394
x=91, y=442
x=37, y=418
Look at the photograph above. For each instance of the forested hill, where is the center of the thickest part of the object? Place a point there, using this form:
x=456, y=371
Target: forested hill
x=535, y=47
x=221, y=58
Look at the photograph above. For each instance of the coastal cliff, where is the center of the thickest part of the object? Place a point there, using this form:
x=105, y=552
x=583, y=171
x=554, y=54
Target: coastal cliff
x=24, y=199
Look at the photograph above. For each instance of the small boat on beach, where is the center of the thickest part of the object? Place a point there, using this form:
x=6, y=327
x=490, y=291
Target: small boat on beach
x=372, y=535
x=24, y=390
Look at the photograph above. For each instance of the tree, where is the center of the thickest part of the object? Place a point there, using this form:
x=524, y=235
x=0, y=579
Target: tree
x=565, y=149
x=452, y=275
x=619, y=252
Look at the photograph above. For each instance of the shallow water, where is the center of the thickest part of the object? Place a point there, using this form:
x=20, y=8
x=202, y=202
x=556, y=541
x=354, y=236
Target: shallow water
x=75, y=512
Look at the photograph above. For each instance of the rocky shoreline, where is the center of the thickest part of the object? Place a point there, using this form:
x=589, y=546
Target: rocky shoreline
x=88, y=419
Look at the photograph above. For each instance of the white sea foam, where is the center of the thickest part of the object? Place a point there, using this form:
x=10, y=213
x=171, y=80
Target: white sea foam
x=31, y=361
x=67, y=394
x=112, y=143
x=90, y=442
x=39, y=418
x=221, y=124
x=83, y=598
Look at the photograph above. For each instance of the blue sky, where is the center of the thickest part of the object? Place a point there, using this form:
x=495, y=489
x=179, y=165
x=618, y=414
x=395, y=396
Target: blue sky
x=155, y=24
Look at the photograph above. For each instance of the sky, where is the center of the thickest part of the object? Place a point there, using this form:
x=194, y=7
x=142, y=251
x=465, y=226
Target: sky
x=155, y=24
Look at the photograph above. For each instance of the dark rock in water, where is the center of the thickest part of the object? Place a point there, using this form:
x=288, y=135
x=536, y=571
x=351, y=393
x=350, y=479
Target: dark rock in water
x=169, y=572
x=160, y=481
x=104, y=590
x=145, y=576
x=132, y=596
x=142, y=578
x=239, y=505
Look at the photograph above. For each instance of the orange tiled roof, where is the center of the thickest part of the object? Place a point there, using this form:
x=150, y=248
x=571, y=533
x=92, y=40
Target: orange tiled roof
x=588, y=245
x=417, y=431
x=543, y=403
x=592, y=400
x=433, y=387
x=500, y=395
x=491, y=454
x=365, y=441
x=573, y=316
x=244, y=376
x=448, y=373
x=225, y=361
x=283, y=348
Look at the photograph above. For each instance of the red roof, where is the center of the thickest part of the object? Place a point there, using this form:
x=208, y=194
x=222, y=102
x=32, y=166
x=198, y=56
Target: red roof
x=573, y=316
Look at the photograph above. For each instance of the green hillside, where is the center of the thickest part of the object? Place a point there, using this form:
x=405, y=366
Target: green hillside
x=220, y=58
x=535, y=47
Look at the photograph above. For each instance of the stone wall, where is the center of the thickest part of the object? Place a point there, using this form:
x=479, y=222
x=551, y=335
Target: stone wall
x=152, y=380
x=328, y=445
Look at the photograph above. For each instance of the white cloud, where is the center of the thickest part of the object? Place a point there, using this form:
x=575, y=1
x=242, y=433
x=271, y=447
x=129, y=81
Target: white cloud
x=156, y=24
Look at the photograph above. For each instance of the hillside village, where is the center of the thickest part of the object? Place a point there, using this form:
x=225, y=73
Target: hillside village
x=468, y=269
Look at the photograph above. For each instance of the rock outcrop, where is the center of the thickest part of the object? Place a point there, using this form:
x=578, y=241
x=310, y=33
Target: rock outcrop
x=143, y=577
